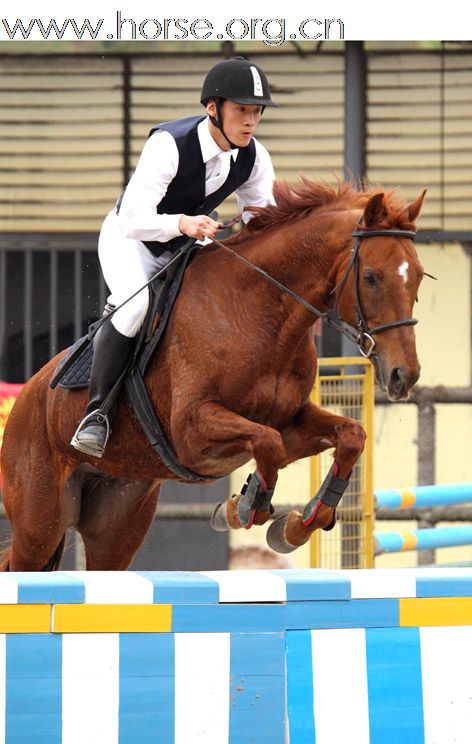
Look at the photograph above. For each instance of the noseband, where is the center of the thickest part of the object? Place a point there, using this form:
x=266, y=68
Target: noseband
x=360, y=334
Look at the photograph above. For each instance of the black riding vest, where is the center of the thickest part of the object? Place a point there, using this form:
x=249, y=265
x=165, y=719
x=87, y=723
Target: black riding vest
x=186, y=192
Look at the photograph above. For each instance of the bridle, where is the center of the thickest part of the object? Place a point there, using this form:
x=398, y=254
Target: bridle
x=360, y=334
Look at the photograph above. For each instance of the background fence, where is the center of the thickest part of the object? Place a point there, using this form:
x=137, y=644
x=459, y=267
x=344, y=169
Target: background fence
x=346, y=387
x=72, y=126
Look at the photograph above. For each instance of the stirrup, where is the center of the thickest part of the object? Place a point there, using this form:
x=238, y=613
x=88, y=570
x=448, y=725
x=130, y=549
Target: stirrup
x=91, y=447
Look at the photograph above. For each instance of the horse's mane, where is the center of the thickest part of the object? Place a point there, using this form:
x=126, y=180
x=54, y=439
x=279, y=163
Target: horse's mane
x=294, y=201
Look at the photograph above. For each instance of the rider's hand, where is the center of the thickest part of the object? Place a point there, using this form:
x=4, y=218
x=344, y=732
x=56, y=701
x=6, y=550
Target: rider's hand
x=198, y=227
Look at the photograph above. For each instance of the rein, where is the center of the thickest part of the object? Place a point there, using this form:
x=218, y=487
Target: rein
x=361, y=334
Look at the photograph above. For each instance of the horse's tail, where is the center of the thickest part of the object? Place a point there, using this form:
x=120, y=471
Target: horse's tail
x=52, y=564
x=55, y=560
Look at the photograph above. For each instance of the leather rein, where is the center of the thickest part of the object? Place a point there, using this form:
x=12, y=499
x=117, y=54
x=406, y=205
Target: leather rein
x=360, y=334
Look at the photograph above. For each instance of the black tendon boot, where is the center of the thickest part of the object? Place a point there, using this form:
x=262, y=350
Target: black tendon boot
x=111, y=354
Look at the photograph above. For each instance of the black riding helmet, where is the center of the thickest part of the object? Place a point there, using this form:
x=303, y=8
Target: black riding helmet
x=239, y=81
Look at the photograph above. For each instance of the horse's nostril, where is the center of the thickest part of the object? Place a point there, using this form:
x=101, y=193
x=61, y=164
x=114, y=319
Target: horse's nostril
x=397, y=378
x=401, y=380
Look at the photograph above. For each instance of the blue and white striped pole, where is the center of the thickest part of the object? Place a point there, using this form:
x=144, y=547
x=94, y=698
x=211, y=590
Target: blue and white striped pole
x=423, y=496
x=424, y=539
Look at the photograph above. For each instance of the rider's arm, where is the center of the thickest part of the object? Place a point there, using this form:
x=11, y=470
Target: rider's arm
x=156, y=168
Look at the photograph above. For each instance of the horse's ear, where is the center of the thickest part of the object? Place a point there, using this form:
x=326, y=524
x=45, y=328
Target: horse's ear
x=415, y=208
x=375, y=210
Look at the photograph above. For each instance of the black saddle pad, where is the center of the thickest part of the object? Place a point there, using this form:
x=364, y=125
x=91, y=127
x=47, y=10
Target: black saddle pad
x=78, y=375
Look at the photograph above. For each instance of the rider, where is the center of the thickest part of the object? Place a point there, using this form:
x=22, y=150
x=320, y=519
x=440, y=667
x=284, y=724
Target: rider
x=186, y=169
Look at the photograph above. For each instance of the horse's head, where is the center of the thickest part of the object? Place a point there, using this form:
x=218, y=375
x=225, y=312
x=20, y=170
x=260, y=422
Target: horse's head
x=379, y=284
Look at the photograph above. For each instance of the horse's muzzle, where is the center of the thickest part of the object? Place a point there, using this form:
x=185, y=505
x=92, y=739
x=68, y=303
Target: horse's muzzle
x=400, y=381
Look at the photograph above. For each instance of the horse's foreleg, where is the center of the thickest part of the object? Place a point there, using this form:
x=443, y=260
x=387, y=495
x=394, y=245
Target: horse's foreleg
x=219, y=433
x=314, y=431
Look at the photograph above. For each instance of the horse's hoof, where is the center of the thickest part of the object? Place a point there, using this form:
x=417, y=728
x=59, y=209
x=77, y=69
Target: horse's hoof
x=275, y=536
x=219, y=520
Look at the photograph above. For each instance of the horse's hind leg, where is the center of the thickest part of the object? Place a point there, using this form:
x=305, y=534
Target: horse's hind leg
x=115, y=517
x=314, y=431
x=24, y=554
x=35, y=506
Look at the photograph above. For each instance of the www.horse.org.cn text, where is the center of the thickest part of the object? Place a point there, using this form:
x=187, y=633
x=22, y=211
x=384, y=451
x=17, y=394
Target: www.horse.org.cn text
x=271, y=31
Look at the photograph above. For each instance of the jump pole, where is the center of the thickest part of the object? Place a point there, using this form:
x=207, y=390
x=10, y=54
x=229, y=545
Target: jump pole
x=423, y=539
x=236, y=657
x=423, y=496
x=427, y=497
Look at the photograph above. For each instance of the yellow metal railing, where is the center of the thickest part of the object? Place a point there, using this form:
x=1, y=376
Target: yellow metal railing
x=345, y=386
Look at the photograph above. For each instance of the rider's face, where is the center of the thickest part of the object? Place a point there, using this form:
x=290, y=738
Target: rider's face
x=239, y=122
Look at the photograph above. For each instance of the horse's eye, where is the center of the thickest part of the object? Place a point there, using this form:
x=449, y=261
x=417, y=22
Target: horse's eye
x=369, y=278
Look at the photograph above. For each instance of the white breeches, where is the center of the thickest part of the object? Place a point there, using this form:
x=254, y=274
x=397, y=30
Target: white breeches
x=127, y=265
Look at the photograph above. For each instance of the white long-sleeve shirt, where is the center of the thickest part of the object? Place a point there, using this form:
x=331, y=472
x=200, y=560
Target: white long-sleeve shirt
x=156, y=168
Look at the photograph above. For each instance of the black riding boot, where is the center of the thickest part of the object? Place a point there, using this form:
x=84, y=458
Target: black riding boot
x=111, y=355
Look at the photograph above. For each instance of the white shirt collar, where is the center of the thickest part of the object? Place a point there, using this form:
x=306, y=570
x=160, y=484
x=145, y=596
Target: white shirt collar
x=209, y=147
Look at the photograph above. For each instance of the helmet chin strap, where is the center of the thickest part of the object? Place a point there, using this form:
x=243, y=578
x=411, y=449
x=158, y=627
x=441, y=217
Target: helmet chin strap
x=218, y=123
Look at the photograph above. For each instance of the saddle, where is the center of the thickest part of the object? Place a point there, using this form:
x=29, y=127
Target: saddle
x=74, y=369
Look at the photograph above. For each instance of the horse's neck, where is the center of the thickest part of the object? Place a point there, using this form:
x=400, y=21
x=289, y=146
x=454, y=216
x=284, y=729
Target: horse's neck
x=305, y=256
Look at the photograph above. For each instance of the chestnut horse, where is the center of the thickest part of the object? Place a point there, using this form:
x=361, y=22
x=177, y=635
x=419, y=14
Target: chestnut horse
x=230, y=381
